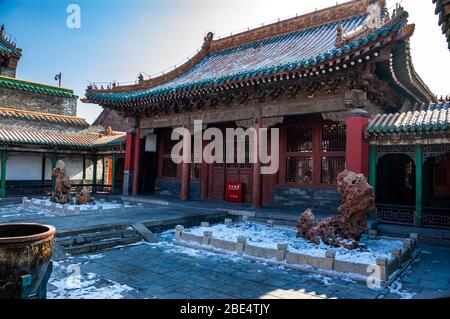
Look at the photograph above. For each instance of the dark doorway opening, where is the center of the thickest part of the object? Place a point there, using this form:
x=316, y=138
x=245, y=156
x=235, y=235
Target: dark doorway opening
x=396, y=178
x=148, y=175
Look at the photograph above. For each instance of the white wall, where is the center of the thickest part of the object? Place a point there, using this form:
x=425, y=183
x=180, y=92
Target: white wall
x=74, y=167
x=23, y=167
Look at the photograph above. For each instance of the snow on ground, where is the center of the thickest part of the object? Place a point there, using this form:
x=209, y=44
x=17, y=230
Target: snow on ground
x=397, y=288
x=10, y=213
x=266, y=236
x=18, y=212
x=94, y=256
x=67, y=282
x=103, y=204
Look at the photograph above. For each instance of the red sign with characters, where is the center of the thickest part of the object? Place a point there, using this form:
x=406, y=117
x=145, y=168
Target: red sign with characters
x=234, y=192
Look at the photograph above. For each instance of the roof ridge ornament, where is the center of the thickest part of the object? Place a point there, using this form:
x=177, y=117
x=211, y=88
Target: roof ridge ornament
x=207, y=41
x=374, y=20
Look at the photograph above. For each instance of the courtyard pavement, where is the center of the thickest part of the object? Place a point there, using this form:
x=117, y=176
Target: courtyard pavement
x=164, y=270
x=128, y=216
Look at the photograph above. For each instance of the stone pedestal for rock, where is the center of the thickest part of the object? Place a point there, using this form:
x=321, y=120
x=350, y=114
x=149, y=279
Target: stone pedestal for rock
x=345, y=229
x=61, y=194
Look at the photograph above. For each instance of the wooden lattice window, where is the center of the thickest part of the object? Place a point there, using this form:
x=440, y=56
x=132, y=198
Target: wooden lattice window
x=333, y=138
x=331, y=167
x=246, y=150
x=195, y=170
x=441, y=174
x=299, y=170
x=169, y=168
x=299, y=139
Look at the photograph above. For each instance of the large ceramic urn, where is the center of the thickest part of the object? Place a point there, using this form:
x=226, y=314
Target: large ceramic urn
x=25, y=252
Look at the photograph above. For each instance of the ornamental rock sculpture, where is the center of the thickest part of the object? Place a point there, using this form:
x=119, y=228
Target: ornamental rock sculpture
x=345, y=229
x=61, y=194
x=83, y=197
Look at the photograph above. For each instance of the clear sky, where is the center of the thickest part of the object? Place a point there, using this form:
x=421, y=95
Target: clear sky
x=120, y=38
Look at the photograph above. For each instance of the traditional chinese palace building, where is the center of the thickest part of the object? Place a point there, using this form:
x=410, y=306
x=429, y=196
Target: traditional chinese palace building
x=38, y=126
x=320, y=78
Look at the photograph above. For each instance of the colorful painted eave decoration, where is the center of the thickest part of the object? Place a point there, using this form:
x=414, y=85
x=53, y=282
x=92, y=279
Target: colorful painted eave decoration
x=434, y=119
x=16, y=84
x=20, y=115
x=281, y=69
x=84, y=141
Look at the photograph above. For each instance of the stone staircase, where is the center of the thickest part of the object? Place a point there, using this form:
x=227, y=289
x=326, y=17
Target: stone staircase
x=89, y=240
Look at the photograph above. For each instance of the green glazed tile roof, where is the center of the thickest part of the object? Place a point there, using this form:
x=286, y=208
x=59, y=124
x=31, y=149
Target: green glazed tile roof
x=7, y=50
x=427, y=119
x=12, y=83
x=21, y=115
x=302, y=49
x=60, y=139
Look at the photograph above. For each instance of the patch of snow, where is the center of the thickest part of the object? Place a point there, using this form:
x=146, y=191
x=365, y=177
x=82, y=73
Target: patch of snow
x=265, y=236
x=104, y=205
x=95, y=256
x=9, y=213
x=397, y=288
x=327, y=281
x=87, y=286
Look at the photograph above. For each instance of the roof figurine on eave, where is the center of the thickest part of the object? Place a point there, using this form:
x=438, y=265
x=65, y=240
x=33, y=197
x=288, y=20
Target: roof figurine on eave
x=7, y=46
x=443, y=10
x=286, y=49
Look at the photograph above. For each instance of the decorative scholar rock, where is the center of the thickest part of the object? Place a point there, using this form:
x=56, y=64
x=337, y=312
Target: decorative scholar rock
x=62, y=184
x=83, y=197
x=345, y=229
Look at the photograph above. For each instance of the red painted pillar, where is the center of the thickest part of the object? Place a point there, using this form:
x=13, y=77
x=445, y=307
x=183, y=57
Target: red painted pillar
x=128, y=167
x=186, y=169
x=204, y=167
x=204, y=180
x=357, y=149
x=136, y=160
x=257, y=178
x=185, y=181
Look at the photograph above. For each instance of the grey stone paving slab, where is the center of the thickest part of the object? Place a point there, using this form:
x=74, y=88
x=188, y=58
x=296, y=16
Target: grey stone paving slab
x=167, y=271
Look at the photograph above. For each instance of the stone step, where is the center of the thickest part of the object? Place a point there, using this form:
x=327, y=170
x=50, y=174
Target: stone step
x=276, y=222
x=90, y=230
x=98, y=236
x=100, y=245
x=430, y=236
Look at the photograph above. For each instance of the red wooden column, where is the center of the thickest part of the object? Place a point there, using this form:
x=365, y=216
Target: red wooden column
x=128, y=166
x=257, y=178
x=357, y=149
x=136, y=160
x=185, y=173
x=204, y=168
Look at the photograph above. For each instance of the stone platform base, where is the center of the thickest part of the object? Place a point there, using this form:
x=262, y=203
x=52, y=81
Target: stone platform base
x=382, y=273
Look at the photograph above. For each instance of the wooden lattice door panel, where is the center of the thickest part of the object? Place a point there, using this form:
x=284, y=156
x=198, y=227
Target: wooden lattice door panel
x=441, y=174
